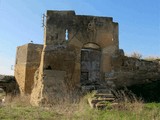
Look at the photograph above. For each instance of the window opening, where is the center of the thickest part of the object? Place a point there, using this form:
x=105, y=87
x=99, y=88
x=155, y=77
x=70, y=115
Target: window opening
x=66, y=35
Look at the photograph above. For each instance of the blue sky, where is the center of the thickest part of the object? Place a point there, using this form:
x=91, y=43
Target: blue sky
x=21, y=21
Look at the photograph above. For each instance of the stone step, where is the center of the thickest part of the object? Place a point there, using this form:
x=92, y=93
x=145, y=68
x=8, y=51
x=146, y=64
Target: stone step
x=104, y=95
x=103, y=99
x=103, y=105
x=93, y=87
x=107, y=91
x=111, y=78
x=100, y=105
x=93, y=100
x=100, y=87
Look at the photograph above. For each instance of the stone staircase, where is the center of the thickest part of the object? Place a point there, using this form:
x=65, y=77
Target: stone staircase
x=102, y=96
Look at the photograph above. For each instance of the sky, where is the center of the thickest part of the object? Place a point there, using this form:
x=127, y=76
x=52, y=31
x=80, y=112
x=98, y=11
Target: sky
x=21, y=22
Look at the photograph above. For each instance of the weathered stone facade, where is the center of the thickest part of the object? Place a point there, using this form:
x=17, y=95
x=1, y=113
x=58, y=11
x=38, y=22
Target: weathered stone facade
x=77, y=50
x=27, y=62
x=128, y=71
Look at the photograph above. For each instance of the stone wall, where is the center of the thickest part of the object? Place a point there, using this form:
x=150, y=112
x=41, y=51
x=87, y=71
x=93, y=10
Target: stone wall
x=128, y=71
x=81, y=30
x=64, y=55
x=20, y=67
x=27, y=62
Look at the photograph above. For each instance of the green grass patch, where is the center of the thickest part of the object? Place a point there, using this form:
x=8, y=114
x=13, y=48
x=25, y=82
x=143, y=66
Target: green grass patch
x=82, y=111
x=26, y=113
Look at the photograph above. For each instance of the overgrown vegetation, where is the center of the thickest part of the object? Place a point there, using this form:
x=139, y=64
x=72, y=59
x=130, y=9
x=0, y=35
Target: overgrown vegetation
x=18, y=108
x=135, y=55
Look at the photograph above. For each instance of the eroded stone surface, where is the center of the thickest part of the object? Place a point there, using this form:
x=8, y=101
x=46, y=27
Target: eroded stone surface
x=129, y=71
x=88, y=32
x=57, y=69
x=27, y=62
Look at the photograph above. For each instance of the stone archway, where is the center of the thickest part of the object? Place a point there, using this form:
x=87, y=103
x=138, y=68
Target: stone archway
x=90, y=63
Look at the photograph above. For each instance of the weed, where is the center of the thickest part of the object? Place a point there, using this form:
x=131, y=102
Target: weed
x=19, y=109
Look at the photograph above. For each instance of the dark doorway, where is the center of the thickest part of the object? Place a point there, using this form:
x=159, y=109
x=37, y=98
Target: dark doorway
x=90, y=65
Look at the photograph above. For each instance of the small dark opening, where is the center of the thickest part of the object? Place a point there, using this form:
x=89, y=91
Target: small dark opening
x=49, y=68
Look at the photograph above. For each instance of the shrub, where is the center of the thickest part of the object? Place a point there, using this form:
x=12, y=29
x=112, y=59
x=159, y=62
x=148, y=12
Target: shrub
x=135, y=55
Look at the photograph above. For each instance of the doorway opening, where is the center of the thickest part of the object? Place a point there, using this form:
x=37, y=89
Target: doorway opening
x=90, y=64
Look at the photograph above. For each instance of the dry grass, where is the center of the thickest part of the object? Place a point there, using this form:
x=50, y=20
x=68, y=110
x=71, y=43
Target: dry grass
x=19, y=108
x=17, y=100
x=135, y=55
x=152, y=58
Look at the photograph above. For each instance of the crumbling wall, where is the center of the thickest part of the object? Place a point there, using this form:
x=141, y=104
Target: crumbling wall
x=128, y=71
x=27, y=62
x=64, y=55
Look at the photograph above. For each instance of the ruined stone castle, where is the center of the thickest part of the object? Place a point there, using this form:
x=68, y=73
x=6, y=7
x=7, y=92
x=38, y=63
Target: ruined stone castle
x=78, y=51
